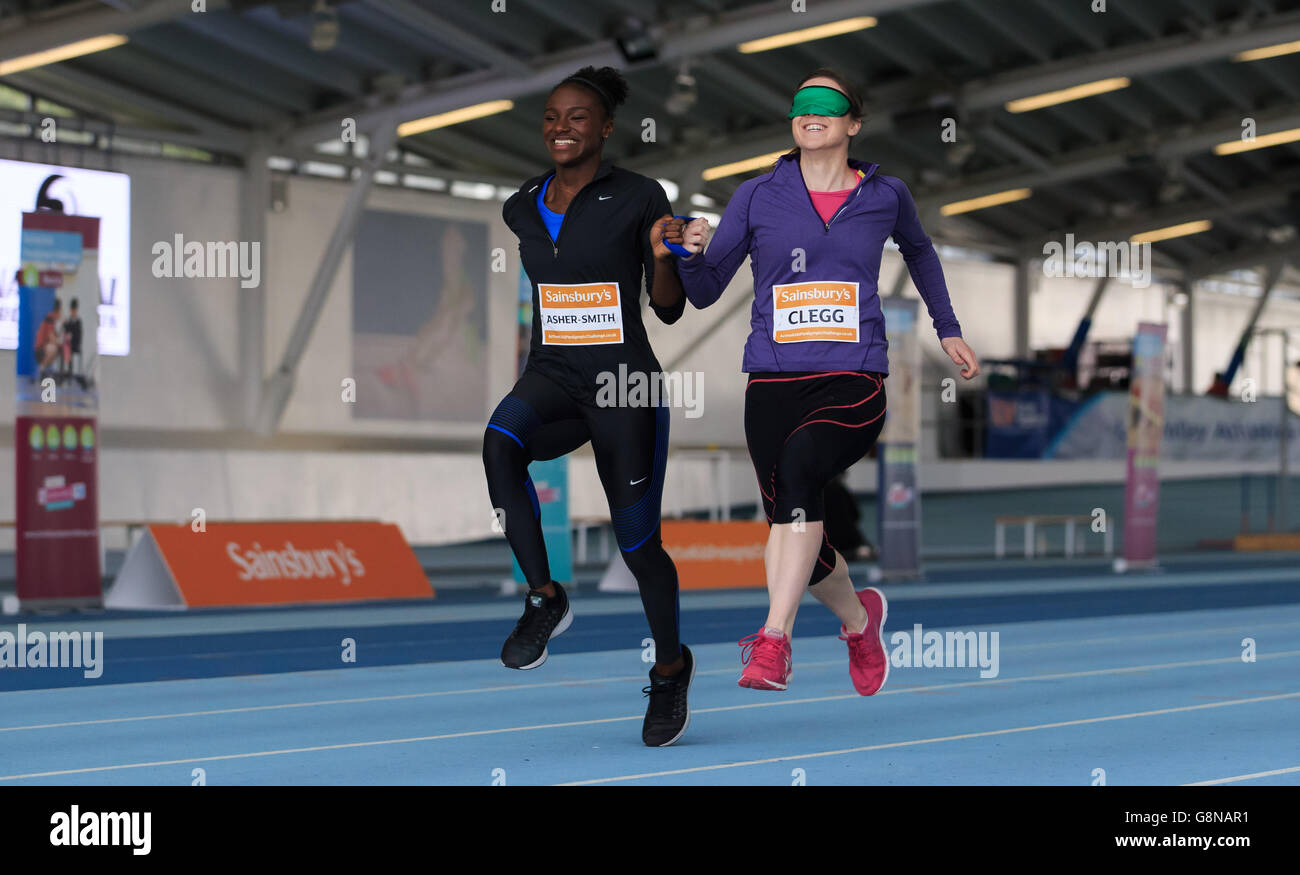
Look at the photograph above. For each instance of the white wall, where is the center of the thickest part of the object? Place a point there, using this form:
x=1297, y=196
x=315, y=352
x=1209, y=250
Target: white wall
x=298, y=238
x=183, y=372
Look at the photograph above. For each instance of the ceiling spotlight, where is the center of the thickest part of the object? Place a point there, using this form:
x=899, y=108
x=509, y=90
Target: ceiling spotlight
x=1280, y=234
x=324, y=27
x=634, y=41
x=1171, y=189
x=959, y=153
x=684, y=95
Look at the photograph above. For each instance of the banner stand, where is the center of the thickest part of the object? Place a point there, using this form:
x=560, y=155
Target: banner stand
x=58, y=554
x=1146, y=422
x=898, y=495
x=145, y=581
x=617, y=577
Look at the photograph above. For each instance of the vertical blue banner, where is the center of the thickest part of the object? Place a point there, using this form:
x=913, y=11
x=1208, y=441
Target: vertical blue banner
x=551, y=480
x=897, y=496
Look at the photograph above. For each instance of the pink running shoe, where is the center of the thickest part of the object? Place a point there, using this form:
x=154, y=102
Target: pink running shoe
x=766, y=655
x=868, y=661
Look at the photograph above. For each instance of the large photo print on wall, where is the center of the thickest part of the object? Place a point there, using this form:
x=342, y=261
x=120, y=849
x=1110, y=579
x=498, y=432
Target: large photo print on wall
x=419, y=320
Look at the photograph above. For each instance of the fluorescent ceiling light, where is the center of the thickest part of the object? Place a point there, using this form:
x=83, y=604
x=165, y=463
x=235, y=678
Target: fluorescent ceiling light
x=1268, y=52
x=741, y=166
x=1065, y=95
x=807, y=34
x=455, y=117
x=988, y=200
x=61, y=53
x=1277, y=138
x=1172, y=231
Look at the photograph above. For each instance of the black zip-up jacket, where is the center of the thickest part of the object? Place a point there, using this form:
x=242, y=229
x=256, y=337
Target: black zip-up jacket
x=605, y=239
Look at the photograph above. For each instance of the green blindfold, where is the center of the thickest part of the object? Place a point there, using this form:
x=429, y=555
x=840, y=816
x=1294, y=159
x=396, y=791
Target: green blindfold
x=819, y=100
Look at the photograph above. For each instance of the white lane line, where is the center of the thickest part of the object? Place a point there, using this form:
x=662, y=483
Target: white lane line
x=773, y=704
x=713, y=671
x=366, y=699
x=913, y=742
x=1244, y=777
x=1243, y=628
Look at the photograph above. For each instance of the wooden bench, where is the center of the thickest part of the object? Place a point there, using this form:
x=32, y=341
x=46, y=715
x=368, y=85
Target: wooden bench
x=1033, y=521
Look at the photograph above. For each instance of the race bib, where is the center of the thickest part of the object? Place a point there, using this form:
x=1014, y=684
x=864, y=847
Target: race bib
x=804, y=312
x=580, y=315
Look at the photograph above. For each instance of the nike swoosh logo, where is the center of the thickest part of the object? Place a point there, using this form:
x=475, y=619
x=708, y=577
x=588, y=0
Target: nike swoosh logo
x=605, y=197
x=635, y=482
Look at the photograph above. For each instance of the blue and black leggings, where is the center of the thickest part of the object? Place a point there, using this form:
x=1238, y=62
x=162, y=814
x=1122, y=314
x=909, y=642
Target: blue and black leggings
x=540, y=420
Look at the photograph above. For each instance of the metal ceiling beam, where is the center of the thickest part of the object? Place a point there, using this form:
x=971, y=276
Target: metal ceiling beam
x=79, y=87
x=678, y=41
x=567, y=16
x=1270, y=195
x=440, y=172
x=106, y=128
x=1243, y=259
x=290, y=56
x=452, y=36
x=1111, y=158
x=24, y=35
x=248, y=76
x=1149, y=56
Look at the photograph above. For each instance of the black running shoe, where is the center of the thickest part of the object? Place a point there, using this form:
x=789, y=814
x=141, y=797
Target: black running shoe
x=668, y=715
x=544, y=618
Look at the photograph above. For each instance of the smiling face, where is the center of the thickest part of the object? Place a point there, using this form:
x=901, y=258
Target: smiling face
x=812, y=132
x=574, y=125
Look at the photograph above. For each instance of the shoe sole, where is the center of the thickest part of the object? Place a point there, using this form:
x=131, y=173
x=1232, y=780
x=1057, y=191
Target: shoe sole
x=565, y=622
x=884, y=617
x=753, y=684
x=687, y=722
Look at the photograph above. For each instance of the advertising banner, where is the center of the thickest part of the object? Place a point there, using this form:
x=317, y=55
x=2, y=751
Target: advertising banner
x=57, y=399
x=1145, y=424
x=550, y=478
x=50, y=203
x=229, y=564
x=1018, y=424
x=899, y=500
x=716, y=555
x=1196, y=428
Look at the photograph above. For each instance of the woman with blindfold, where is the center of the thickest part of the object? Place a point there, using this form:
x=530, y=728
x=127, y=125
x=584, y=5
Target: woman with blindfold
x=814, y=228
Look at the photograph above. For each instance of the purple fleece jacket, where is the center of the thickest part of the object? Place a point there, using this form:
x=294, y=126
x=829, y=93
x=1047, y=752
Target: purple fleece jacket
x=772, y=220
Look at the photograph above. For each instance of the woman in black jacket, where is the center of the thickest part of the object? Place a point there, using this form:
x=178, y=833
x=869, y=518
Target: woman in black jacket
x=584, y=237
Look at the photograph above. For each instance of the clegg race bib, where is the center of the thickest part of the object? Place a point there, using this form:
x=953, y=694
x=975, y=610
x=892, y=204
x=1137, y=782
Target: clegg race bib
x=580, y=315
x=803, y=312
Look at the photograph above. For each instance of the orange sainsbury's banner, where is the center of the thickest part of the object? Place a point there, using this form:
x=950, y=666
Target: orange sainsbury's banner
x=269, y=564
x=722, y=555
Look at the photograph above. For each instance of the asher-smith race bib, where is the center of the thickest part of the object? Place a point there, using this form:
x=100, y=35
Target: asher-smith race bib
x=585, y=314
x=805, y=312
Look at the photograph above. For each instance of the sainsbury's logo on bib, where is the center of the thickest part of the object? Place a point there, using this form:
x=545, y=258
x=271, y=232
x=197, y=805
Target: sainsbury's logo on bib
x=805, y=312
x=580, y=315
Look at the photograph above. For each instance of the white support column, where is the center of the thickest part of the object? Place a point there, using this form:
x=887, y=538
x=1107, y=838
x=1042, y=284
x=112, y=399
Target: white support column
x=279, y=386
x=254, y=202
x=1021, y=305
x=1188, y=287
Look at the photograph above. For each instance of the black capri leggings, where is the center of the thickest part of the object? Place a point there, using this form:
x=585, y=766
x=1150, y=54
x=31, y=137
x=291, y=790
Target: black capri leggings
x=540, y=420
x=802, y=430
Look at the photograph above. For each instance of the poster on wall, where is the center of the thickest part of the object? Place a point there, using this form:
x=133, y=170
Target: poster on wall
x=52, y=191
x=419, y=318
